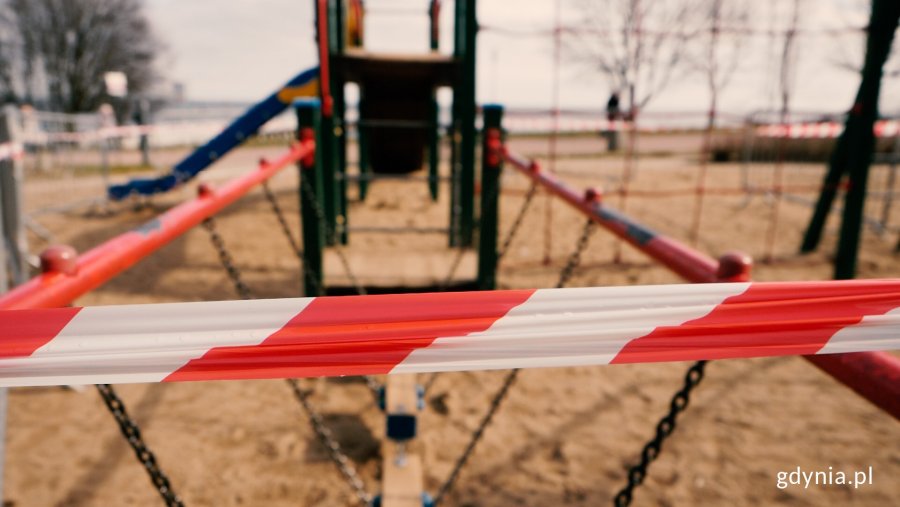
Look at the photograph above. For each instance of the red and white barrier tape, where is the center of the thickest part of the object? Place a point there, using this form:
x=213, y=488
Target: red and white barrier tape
x=823, y=130
x=12, y=151
x=331, y=336
x=203, y=127
x=523, y=124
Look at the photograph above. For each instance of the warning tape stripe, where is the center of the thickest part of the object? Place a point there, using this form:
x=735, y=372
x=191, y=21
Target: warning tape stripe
x=12, y=151
x=823, y=130
x=354, y=335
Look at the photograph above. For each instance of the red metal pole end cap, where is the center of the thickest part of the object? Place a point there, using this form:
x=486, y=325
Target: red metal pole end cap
x=734, y=267
x=307, y=134
x=593, y=194
x=59, y=259
x=204, y=190
x=263, y=162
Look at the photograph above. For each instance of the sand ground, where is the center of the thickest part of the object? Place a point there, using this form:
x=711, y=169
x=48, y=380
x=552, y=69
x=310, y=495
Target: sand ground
x=565, y=435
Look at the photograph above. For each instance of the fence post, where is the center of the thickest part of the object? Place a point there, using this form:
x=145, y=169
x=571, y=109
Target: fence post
x=15, y=248
x=311, y=190
x=491, y=166
x=143, y=119
x=11, y=200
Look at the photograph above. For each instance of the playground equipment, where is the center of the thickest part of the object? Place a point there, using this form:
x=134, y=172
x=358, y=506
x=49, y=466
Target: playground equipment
x=434, y=326
x=398, y=119
x=67, y=280
x=873, y=375
x=398, y=123
x=398, y=480
x=859, y=371
x=398, y=112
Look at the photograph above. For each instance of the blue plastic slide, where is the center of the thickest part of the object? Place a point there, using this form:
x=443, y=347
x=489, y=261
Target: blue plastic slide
x=304, y=84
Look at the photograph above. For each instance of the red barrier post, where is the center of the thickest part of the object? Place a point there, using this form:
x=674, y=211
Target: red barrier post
x=64, y=280
x=873, y=375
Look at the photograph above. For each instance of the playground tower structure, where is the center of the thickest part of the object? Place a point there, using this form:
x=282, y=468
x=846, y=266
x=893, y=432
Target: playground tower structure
x=398, y=130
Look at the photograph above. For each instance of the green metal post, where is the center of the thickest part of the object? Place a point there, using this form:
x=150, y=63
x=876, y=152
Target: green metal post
x=434, y=143
x=434, y=147
x=326, y=151
x=311, y=202
x=340, y=131
x=329, y=179
x=882, y=25
x=362, y=143
x=453, y=135
x=466, y=90
x=434, y=19
x=491, y=166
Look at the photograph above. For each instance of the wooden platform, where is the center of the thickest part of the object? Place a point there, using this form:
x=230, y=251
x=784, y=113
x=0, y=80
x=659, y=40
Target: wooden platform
x=402, y=480
x=396, y=88
x=431, y=69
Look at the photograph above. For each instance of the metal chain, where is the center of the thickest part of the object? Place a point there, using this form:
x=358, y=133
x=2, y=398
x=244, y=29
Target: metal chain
x=520, y=216
x=476, y=436
x=327, y=439
x=664, y=429
x=371, y=383
x=503, y=249
x=227, y=262
x=289, y=235
x=500, y=396
x=575, y=258
x=317, y=421
x=506, y=241
x=132, y=434
x=348, y=270
x=279, y=214
x=445, y=284
x=331, y=234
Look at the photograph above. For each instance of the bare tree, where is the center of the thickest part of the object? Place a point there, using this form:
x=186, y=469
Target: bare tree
x=638, y=45
x=718, y=33
x=715, y=50
x=787, y=68
x=848, y=43
x=66, y=46
x=7, y=56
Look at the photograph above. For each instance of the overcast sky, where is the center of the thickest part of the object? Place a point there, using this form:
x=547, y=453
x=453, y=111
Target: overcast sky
x=241, y=50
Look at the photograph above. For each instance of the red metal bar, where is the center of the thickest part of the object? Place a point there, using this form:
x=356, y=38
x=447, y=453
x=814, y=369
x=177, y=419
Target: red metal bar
x=324, y=75
x=434, y=12
x=683, y=260
x=59, y=287
x=873, y=375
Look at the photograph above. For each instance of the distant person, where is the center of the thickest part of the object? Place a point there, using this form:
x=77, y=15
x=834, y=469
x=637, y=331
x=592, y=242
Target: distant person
x=612, y=107
x=613, y=113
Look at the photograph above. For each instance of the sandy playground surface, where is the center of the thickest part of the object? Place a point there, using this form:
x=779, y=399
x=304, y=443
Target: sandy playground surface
x=564, y=437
